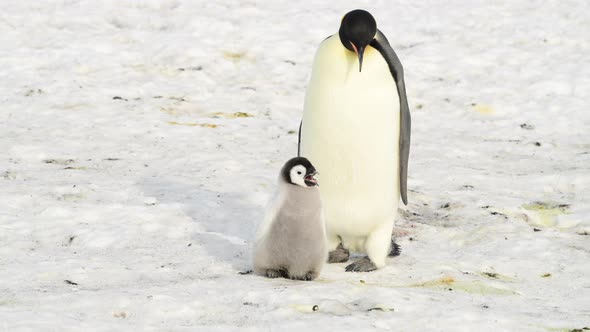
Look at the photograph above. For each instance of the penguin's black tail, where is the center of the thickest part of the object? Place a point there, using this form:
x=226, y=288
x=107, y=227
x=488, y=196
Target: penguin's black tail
x=396, y=249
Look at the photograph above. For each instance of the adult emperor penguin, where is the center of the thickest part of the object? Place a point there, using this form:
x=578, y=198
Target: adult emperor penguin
x=291, y=240
x=356, y=129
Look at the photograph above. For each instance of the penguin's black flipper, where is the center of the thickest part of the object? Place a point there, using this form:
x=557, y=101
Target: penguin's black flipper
x=397, y=71
x=299, y=140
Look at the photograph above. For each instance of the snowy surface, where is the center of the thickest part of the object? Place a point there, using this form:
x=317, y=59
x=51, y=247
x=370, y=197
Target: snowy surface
x=141, y=140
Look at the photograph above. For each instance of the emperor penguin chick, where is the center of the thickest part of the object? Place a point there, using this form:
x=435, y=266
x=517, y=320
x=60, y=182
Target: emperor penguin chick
x=291, y=240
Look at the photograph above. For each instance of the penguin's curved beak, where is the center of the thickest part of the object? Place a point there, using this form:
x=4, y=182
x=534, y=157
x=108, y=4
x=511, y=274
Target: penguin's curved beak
x=310, y=179
x=359, y=52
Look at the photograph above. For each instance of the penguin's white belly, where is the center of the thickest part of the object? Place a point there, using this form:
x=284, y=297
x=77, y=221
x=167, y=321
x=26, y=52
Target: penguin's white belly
x=350, y=133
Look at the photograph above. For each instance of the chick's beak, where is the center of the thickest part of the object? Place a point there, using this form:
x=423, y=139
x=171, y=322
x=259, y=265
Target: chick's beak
x=310, y=179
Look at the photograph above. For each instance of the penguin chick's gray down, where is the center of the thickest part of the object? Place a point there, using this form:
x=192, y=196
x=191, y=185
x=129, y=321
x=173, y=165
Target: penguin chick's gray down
x=291, y=240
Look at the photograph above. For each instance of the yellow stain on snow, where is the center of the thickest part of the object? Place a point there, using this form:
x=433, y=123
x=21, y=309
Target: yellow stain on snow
x=495, y=275
x=483, y=109
x=180, y=110
x=234, y=56
x=78, y=168
x=83, y=69
x=232, y=115
x=445, y=284
x=545, y=214
x=472, y=287
x=170, y=111
x=436, y=282
x=73, y=106
x=192, y=124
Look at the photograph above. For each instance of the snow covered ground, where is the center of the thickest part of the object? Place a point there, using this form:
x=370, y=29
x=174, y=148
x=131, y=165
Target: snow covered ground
x=140, y=141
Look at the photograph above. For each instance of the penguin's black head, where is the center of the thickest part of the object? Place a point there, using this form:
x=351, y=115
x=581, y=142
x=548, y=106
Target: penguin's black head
x=357, y=30
x=300, y=172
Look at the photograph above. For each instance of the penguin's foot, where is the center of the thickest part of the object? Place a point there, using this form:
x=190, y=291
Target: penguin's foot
x=340, y=255
x=307, y=277
x=361, y=265
x=396, y=249
x=279, y=273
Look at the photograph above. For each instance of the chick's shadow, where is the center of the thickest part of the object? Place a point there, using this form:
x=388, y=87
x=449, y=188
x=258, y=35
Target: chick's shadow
x=225, y=221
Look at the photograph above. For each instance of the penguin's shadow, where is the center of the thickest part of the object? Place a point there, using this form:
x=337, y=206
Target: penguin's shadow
x=225, y=221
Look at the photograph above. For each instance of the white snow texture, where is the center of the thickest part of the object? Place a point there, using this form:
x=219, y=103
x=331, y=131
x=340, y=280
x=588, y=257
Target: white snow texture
x=140, y=141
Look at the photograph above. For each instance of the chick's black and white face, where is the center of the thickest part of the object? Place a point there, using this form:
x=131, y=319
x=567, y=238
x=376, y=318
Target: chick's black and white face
x=300, y=176
x=300, y=172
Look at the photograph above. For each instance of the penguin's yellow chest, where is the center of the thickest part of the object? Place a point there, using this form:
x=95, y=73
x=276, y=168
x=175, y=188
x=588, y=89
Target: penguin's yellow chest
x=350, y=133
